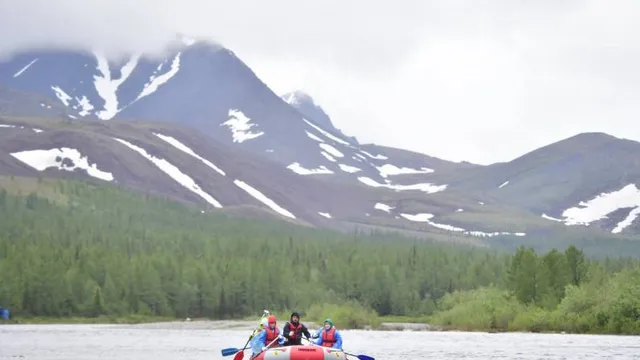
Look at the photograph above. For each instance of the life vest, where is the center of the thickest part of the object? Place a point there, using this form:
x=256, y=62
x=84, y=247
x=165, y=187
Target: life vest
x=329, y=337
x=297, y=330
x=271, y=335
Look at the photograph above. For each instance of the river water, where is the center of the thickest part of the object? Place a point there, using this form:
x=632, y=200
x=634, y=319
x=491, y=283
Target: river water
x=85, y=342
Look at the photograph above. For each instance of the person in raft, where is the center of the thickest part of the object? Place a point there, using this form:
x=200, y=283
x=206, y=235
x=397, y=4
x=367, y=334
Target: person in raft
x=293, y=330
x=328, y=336
x=265, y=339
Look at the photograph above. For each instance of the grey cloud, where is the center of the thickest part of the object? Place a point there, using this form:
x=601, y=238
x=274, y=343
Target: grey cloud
x=478, y=80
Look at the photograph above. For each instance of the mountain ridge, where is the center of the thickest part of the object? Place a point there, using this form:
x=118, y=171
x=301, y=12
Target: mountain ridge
x=311, y=170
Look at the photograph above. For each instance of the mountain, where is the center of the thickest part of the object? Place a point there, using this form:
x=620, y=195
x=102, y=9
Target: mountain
x=204, y=86
x=198, y=126
x=305, y=104
x=588, y=179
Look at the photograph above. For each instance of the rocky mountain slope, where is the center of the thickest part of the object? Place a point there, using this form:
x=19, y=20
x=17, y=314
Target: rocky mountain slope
x=199, y=126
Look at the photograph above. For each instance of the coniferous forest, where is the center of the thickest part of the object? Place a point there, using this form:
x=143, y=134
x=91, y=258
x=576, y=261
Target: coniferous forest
x=74, y=249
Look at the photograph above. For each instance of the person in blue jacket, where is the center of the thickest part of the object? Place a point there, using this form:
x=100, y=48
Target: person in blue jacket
x=328, y=336
x=266, y=337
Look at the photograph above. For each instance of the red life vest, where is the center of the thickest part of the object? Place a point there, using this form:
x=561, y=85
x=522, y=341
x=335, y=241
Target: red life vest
x=271, y=335
x=297, y=330
x=329, y=337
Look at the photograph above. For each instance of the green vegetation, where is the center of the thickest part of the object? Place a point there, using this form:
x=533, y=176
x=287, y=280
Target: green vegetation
x=553, y=292
x=74, y=249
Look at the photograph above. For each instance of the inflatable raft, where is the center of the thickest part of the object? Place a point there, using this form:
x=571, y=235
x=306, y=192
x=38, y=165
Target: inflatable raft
x=302, y=352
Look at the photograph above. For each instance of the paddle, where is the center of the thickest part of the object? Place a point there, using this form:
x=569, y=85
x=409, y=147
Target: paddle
x=361, y=357
x=256, y=355
x=240, y=352
x=231, y=351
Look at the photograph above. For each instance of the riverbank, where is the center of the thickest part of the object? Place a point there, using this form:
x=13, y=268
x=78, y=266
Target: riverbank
x=203, y=324
x=159, y=323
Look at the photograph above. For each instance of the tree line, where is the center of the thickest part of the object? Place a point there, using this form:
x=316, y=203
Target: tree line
x=72, y=248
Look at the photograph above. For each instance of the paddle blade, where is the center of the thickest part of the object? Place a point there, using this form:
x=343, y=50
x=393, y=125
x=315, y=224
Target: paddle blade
x=365, y=357
x=229, y=351
x=239, y=355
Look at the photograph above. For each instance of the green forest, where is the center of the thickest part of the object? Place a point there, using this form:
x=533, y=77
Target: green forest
x=75, y=249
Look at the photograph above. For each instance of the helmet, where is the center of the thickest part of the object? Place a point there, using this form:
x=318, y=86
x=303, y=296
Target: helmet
x=295, y=314
x=328, y=321
x=272, y=319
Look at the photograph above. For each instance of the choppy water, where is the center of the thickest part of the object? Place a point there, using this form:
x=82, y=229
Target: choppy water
x=83, y=342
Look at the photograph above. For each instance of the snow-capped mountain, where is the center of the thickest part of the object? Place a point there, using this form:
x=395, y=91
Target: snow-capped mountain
x=198, y=125
x=205, y=86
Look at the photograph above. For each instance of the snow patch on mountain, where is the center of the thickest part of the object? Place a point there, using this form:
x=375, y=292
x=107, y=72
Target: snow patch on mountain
x=417, y=217
x=107, y=87
x=631, y=217
x=376, y=157
x=426, y=218
x=602, y=205
x=19, y=72
x=545, y=216
x=390, y=170
x=362, y=158
x=57, y=158
x=240, y=126
x=331, y=150
x=263, y=199
x=21, y=127
x=425, y=187
x=329, y=157
x=312, y=136
x=349, y=169
x=383, y=207
x=326, y=133
x=60, y=94
x=182, y=147
x=503, y=184
x=323, y=214
x=156, y=81
x=298, y=169
x=86, y=106
x=174, y=172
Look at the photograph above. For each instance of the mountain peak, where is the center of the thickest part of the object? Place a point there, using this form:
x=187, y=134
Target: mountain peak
x=298, y=97
x=304, y=103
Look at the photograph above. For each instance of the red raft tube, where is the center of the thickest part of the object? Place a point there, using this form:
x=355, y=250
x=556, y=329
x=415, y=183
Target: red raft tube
x=302, y=352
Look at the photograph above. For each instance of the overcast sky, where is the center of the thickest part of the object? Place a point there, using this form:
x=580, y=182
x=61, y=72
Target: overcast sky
x=475, y=80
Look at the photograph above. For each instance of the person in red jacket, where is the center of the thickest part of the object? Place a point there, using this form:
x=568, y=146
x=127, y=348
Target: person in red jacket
x=293, y=330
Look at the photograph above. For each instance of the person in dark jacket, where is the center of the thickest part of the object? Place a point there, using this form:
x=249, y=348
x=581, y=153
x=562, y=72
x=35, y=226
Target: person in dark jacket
x=293, y=330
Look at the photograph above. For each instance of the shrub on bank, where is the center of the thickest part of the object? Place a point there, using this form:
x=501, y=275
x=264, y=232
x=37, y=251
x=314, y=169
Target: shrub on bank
x=482, y=309
x=346, y=315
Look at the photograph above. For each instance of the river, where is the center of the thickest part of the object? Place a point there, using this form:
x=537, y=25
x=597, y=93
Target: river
x=176, y=342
